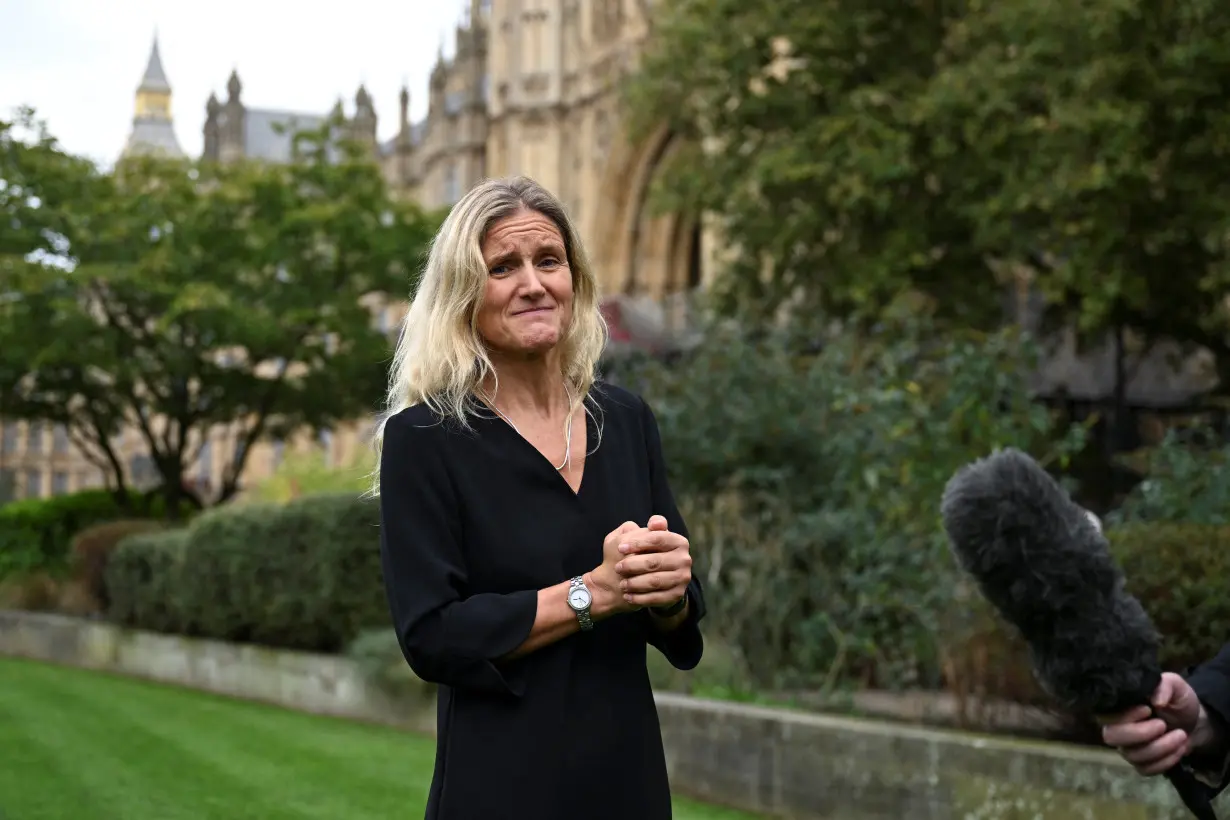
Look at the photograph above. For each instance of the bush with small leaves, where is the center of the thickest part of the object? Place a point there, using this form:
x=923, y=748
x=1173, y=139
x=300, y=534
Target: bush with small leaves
x=144, y=581
x=36, y=534
x=812, y=472
x=304, y=575
x=1178, y=570
x=92, y=547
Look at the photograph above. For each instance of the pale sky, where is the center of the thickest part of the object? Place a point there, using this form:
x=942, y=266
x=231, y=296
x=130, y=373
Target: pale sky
x=78, y=62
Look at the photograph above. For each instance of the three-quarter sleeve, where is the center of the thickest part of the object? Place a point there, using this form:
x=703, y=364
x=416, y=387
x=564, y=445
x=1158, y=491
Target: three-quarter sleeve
x=447, y=636
x=684, y=645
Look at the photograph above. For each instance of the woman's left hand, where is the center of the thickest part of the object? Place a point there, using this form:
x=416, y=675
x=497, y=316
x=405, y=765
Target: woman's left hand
x=658, y=566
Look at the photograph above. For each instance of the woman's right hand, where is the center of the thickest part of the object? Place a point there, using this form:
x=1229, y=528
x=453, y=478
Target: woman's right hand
x=603, y=581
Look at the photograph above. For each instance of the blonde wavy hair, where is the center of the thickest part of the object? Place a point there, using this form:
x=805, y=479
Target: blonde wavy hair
x=440, y=358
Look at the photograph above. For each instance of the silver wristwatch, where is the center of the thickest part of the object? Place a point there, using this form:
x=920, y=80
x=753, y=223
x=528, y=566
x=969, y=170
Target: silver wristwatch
x=580, y=599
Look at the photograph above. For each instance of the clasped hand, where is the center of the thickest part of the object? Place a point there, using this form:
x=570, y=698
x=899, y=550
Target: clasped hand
x=644, y=566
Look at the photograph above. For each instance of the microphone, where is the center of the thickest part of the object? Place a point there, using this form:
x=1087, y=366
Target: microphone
x=1043, y=563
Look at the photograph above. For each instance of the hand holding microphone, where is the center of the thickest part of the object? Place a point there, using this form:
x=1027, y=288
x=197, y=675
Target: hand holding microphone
x=1044, y=564
x=1155, y=739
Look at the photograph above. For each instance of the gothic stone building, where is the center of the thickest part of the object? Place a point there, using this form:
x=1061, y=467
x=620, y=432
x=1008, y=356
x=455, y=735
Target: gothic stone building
x=529, y=89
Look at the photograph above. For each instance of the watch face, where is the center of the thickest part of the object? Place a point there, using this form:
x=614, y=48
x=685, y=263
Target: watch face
x=579, y=598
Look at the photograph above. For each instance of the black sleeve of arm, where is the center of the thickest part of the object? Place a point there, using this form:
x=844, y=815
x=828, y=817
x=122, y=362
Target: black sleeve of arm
x=1211, y=682
x=447, y=636
x=684, y=645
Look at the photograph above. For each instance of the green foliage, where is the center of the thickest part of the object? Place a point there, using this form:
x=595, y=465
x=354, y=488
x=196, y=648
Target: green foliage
x=36, y=534
x=8, y=487
x=178, y=297
x=798, y=132
x=93, y=546
x=851, y=150
x=36, y=591
x=302, y=474
x=722, y=673
x=1178, y=570
x=305, y=575
x=144, y=581
x=226, y=572
x=1092, y=137
x=813, y=483
x=1183, y=482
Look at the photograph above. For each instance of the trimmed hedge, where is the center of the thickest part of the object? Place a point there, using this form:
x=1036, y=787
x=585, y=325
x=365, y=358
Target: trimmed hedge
x=36, y=534
x=144, y=581
x=305, y=575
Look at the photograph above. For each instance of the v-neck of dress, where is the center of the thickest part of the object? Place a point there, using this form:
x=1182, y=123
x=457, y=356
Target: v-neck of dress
x=543, y=460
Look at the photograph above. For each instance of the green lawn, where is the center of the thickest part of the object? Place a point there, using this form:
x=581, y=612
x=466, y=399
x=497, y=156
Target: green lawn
x=76, y=744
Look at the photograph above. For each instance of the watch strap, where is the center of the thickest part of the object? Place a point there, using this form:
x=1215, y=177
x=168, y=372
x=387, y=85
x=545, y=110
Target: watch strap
x=583, y=616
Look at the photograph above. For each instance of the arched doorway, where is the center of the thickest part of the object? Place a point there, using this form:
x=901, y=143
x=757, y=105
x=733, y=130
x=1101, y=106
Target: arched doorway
x=639, y=253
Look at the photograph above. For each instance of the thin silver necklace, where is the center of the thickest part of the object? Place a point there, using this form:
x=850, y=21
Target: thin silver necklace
x=567, y=426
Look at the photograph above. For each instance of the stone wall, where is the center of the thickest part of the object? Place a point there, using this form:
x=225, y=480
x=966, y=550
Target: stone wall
x=765, y=760
x=321, y=684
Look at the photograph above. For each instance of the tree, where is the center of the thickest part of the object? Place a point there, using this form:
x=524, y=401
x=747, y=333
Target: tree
x=797, y=121
x=1093, y=140
x=853, y=151
x=179, y=297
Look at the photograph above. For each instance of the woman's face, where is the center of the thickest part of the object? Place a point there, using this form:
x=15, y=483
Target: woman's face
x=527, y=306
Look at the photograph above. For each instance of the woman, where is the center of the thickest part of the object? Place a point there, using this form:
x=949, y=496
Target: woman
x=532, y=549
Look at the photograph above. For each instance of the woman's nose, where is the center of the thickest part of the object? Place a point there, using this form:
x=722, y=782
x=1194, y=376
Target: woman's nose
x=531, y=282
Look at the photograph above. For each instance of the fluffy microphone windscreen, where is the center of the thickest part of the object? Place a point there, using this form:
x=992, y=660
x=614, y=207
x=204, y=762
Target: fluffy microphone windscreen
x=1042, y=562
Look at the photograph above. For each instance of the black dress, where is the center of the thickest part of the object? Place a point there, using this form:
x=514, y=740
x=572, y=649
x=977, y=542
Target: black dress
x=474, y=523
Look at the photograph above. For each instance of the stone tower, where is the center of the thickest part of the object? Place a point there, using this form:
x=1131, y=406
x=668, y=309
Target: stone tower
x=555, y=114
x=437, y=159
x=153, y=130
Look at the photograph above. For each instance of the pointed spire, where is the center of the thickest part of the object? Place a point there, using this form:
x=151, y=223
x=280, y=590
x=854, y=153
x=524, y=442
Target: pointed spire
x=363, y=101
x=153, y=130
x=233, y=86
x=155, y=78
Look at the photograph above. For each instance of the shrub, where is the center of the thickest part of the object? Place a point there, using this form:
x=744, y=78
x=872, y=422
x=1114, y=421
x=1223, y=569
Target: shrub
x=35, y=534
x=812, y=482
x=721, y=673
x=305, y=575
x=1178, y=571
x=32, y=592
x=1183, y=481
x=341, y=588
x=92, y=547
x=231, y=565
x=144, y=581
x=74, y=597
x=985, y=659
